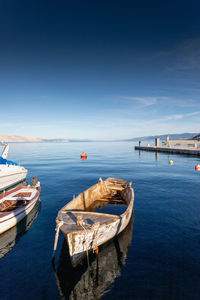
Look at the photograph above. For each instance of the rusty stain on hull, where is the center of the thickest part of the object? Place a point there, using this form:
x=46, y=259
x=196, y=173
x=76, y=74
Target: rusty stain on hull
x=85, y=229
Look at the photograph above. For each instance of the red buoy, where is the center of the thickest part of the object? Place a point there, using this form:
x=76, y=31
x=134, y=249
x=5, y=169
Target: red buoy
x=83, y=155
x=197, y=167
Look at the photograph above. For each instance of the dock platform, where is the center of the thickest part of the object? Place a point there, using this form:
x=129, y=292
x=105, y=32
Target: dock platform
x=171, y=149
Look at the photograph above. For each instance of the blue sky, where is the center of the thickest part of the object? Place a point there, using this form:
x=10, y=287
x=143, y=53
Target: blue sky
x=99, y=69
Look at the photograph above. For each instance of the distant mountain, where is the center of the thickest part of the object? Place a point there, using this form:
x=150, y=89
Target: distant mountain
x=196, y=137
x=56, y=140
x=17, y=138
x=178, y=136
x=22, y=139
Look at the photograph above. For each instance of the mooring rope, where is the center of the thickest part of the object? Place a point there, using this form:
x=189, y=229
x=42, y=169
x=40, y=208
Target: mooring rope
x=57, y=229
x=81, y=224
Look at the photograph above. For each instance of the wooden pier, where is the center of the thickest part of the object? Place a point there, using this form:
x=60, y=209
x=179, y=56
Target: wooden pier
x=190, y=147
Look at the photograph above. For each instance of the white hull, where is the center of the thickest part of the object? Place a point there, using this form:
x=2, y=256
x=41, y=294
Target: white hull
x=16, y=217
x=9, y=218
x=9, y=238
x=11, y=175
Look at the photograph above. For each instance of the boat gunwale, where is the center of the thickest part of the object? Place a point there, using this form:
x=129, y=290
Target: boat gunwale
x=92, y=187
x=90, y=212
x=15, y=212
x=8, y=192
x=115, y=217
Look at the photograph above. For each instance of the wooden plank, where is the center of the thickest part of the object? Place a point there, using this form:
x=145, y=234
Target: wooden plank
x=110, y=200
x=8, y=207
x=116, y=188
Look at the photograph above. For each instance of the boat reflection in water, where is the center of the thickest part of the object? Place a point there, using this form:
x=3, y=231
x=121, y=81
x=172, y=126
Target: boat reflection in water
x=93, y=281
x=9, y=238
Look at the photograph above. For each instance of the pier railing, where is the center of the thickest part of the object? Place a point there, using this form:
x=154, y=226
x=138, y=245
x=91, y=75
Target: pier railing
x=193, y=142
x=190, y=147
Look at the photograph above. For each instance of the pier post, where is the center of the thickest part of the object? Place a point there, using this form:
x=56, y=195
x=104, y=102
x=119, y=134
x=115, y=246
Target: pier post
x=167, y=140
x=157, y=142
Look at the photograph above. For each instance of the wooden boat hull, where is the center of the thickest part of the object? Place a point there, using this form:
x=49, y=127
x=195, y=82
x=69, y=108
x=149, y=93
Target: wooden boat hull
x=102, y=227
x=8, y=219
x=96, y=279
x=79, y=243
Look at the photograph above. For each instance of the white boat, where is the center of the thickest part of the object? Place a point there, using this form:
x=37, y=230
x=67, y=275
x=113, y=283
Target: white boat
x=10, y=238
x=10, y=172
x=16, y=204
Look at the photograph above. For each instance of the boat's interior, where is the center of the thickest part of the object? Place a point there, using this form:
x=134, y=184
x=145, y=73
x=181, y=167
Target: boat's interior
x=103, y=201
x=7, y=205
x=10, y=201
x=110, y=191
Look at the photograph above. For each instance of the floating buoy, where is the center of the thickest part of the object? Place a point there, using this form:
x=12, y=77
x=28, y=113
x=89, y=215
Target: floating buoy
x=197, y=167
x=171, y=162
x=83, y=155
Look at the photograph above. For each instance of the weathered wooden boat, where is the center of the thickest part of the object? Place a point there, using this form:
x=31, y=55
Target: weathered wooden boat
x=17, y=203
x=85, y=229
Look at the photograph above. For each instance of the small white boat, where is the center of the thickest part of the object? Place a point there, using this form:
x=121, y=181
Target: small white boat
x=84, y=229
x=16, y=204
x=10, y=172
x=10, y=238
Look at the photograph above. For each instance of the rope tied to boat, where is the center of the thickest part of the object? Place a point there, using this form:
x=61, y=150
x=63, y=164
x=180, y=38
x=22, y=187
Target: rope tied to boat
x=95, y=227
x=57, y=229
x=80, y=222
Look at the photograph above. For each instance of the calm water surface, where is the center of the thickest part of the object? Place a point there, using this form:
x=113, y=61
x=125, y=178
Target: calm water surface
x=160, y=254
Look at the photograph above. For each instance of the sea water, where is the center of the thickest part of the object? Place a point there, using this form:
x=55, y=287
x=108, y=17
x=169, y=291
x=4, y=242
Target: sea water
x=162, y=257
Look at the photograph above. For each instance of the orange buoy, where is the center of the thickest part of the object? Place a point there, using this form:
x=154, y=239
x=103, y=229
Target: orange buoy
x=84, y=158
x=83, y=155
x=197, y=167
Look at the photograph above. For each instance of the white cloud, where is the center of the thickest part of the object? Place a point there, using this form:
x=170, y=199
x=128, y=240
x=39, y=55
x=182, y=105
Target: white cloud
x=180, y=116
x=145, y=101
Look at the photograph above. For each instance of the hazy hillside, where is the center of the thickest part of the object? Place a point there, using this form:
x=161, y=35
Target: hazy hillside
x=197, y=137
x=17, y=138
x=163, y=137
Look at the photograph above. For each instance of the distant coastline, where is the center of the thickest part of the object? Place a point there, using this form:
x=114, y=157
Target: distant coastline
x=25, y=139
x=22, y=139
